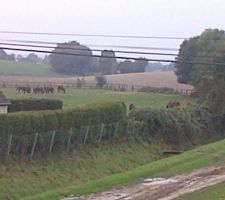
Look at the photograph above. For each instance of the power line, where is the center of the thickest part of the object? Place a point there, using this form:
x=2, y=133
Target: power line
x=118, y=57
x=102, y=35
x=94, y=35
x=74, y=47
x=97, y=45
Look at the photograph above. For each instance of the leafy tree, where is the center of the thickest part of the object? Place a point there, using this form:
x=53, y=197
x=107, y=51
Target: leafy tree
x=107, y=65
x=128, y=66
x=32, y=58
x=209, y=80
x=72, y=64
x=209, y=47
x=100, y=80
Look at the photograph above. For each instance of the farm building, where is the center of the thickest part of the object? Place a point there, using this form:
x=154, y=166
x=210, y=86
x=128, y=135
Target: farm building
x=4, y=103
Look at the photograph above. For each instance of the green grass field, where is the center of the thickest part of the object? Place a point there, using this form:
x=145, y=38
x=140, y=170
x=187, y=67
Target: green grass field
x=20, y=178
x=79, y=97
x=21, y=68
x=211, y=154
x=216, y=192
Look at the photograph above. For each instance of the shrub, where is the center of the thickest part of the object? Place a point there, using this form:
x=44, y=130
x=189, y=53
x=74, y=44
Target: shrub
x=34, y=104
x=43, y=121
x=185, y=126
x=100, y=81
x=23, y=125
x=158, y=90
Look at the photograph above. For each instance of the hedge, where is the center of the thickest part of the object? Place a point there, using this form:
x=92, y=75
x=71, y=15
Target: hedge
x=34, y=104
x=21, y=123
x=187, y=126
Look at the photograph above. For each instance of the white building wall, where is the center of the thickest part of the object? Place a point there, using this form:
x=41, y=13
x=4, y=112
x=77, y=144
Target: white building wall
x=3, y=109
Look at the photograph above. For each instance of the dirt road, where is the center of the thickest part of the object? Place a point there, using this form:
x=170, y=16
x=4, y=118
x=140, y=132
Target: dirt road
x=162, y=188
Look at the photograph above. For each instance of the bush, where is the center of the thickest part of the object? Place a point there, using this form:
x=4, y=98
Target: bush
x=43, y=121
x=24, y=125
x=186, y=126
x=34, y=104
x=158, y=90
x=100, y=81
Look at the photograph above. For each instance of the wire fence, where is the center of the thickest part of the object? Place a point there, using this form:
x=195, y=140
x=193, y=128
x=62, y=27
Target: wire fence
x=113, y=86
x=62, y=140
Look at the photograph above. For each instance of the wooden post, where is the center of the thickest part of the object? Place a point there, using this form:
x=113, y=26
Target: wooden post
x=9, y=144
x=86, y=135
x=52, y=141
x=101, y=131
x=116, y=129
x=69, y=139
x=33, y=147
x=127, y=128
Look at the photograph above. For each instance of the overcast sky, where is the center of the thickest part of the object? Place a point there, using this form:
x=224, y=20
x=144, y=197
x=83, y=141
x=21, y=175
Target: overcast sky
x=182, y=18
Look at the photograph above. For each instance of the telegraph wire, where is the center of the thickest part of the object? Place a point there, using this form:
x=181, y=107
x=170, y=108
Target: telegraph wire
x=117, y=57
x=73, y=47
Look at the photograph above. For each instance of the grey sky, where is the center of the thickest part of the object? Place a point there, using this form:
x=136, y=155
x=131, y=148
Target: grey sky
x=184, y=18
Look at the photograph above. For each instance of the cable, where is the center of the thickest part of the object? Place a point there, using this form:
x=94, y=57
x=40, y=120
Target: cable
x=101, y=35
x=118, y=57
x=73, y=47
x=93, y=35
x=96, y=45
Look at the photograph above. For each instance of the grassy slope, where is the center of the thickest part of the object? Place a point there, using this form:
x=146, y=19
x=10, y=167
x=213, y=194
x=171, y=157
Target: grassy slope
x=25, y=178
x=216, y=192
x=211, y=154
x=20, y=68
x=77, y=97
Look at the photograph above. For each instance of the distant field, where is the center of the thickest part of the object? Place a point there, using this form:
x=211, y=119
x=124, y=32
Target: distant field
x=21, y=68
x=78, y=97
x=153, y=79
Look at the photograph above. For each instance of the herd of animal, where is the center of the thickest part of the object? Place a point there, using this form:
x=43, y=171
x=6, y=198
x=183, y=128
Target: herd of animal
x=40, y=90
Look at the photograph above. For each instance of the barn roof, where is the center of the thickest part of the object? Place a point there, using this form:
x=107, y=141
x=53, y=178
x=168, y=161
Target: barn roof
x=3, y=100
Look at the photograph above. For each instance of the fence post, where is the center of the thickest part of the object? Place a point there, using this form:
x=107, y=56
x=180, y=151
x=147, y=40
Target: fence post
x=9, y=144
x=101, y=131
x=116, y=129
x=86, y=135
x=52, y=141
x=69, y=139
x=127, y=128
x=33, y=147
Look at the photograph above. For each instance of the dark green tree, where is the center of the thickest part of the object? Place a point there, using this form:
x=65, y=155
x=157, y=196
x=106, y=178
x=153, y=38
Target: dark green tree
x=209, y=80
x=209, y=47
x=72, y=64
x=107, y=63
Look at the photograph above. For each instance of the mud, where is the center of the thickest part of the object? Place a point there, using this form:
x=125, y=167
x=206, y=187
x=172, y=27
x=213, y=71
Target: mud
x=162, y=188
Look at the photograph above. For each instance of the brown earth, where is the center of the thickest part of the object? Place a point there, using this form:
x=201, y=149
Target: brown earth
x=153, y=79
x=162, y=188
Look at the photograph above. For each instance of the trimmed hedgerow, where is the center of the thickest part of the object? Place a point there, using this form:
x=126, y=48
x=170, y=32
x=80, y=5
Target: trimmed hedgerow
x=34, y=104
x=21, y=123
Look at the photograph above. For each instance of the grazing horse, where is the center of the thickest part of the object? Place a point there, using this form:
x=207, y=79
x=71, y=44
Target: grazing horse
x=61, y=88
x=24, y=89
x=48, y=89
x=38, y=90
x=173, y=104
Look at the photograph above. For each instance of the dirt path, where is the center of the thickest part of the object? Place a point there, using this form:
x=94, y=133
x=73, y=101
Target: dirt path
x=162, y=188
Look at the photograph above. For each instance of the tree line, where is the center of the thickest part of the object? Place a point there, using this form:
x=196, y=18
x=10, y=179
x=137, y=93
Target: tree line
x=209, y=80
x=85, y=65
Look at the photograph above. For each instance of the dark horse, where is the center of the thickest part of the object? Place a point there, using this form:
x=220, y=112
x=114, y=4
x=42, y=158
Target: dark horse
x=61, y=88
x=24, y=89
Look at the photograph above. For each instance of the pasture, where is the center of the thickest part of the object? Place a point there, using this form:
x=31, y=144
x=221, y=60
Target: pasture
x=21, y=68
x=153, y=79
x=78, y=97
